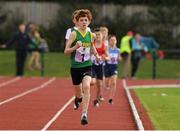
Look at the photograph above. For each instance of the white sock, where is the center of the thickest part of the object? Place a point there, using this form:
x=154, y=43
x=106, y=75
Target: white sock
x=84, y=114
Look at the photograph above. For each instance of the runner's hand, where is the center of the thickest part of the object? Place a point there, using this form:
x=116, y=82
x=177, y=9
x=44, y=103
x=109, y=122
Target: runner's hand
x=78, y=44
x=98, y=58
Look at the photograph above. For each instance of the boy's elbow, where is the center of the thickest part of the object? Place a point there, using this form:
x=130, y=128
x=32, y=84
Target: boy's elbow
x=66, y=52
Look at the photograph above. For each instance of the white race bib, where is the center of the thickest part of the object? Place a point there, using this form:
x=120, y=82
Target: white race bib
x=82, y=54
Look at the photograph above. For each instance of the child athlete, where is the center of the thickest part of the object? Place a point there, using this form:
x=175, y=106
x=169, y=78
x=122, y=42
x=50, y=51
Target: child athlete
x=97, y=67
x=78, y=88
x=79, y=45
x=111, y=67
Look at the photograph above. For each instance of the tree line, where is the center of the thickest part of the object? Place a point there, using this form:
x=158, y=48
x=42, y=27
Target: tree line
x=122, y=2
x=160, y=22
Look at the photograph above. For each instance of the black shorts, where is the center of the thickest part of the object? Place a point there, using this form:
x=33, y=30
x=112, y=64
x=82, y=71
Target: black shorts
x=110, y=70
x=97, y=72
x=124, y=55
x=77, y=74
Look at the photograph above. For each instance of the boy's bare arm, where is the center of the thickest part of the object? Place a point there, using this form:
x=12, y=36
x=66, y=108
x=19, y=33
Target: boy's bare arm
x=94, y=51
x=68, y=48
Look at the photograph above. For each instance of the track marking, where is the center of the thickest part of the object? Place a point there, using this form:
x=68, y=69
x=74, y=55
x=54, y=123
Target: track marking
x=28, y=92
x=9, y=81
x=57, y=115
x=155, y=86
x=133, y=107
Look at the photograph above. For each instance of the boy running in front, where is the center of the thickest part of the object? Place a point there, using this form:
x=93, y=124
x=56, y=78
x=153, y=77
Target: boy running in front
x=77, y=88
x=79, y=46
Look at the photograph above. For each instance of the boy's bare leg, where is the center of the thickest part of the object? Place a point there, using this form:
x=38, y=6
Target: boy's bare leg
x=86, y=97
x=113, y=83
x=78, y=96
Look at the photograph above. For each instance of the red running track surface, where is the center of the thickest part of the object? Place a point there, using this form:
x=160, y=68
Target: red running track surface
x=34, y=110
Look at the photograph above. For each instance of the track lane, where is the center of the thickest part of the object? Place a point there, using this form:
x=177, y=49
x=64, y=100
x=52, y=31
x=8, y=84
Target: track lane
x=106, y=117
x=44, y=85
x=20, y=86
x=34, y=110
x=7, y=80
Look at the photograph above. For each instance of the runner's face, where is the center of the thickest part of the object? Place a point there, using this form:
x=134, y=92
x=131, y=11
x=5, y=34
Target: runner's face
x=98, y=36
x=83, y=22
x=105, y=34
x=112, y=41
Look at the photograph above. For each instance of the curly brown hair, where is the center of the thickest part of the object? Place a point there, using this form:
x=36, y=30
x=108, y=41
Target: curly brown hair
x=83, y=13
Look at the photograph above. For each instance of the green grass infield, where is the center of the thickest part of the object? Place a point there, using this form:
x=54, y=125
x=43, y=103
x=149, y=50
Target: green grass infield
x=57, y=64
x=162, y=106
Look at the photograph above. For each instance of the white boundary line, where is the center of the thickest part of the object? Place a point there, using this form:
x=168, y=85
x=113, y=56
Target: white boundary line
x=28, y=92
x=57, y=115
x=9, y=81
x=155, y=86
x=133, y=107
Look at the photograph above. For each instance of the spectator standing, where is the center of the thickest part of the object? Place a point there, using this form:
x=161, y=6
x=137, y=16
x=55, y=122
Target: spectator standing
x=21, y=40
x=137, y=52
x=34, y=61
x=125, y=48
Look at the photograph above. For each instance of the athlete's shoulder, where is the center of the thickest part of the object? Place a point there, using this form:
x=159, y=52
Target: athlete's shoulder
x=117, y=49
x=74, y=32
x=71, y=29
x=88, y=29
x=93, y=35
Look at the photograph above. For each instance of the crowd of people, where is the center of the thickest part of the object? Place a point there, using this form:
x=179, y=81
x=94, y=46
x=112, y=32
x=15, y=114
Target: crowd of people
x=94, y=59
x=27, y=40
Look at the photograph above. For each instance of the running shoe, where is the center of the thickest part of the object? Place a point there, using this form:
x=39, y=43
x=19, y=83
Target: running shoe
x=96, y=103
x=110, y=101
x=84, y=120
x=77, y=101
x=101, y=98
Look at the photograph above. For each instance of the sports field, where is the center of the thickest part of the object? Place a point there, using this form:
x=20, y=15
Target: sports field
x=56, y=64
x=162, y=105
x=156, y=101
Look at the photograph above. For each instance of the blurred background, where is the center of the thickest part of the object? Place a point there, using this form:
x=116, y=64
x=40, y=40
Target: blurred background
x=159, y=19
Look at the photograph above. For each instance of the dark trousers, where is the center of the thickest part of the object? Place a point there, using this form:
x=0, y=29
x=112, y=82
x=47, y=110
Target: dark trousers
x=135, y=59
x=20, y=62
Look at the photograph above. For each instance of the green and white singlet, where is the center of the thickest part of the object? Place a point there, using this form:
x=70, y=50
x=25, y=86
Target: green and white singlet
x=81, y=57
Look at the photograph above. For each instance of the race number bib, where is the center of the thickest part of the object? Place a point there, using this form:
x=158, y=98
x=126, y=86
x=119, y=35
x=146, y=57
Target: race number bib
x=94, y=61
x=113, y=58
x=82, y=54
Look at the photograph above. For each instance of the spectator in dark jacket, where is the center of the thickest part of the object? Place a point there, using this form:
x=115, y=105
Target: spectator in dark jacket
x=21, y=40
x=137, y=48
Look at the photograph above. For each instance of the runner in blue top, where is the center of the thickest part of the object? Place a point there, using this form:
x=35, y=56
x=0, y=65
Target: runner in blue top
x=111, y=67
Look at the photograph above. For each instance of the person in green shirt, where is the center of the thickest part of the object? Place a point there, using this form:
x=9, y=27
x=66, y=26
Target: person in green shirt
x=34, y=60
x=125, y=48
x=80, y=47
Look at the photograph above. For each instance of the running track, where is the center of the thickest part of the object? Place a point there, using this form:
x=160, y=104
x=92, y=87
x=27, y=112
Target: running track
x=34, y=103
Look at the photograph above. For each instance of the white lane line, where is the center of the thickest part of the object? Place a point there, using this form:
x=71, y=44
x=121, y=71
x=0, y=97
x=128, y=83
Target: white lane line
x=133, y=107
x=57, y=115
x=155, y=86
x=9, y=81
x=28, y=92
